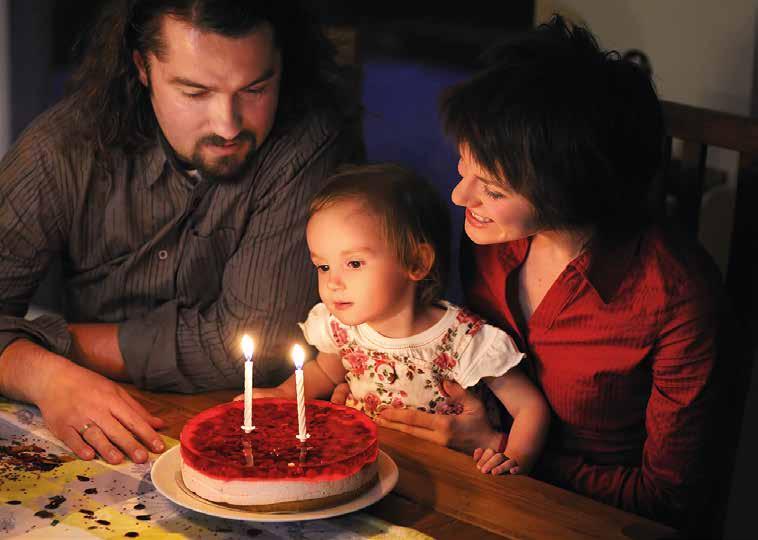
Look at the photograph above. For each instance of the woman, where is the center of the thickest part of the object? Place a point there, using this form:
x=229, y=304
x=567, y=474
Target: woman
x=558, y=143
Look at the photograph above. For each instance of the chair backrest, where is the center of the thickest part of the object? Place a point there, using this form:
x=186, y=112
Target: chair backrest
x=700, y=129
x=684, y=179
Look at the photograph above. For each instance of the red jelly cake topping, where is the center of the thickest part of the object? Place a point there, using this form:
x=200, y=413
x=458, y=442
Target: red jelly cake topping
x=342, y=440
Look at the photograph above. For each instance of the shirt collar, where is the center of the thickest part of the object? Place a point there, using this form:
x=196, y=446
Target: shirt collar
x=605, y=264
x=150, y=164
x=155, y=159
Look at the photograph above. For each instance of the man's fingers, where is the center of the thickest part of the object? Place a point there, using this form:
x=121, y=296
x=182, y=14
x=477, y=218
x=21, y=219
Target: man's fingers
x=154, y=421
x=139, y=427
x=123, y=438
x=102, y=445
x=74, y=441
x=478, y=454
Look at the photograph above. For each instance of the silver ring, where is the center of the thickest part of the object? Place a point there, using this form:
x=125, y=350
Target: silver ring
x=85, y=427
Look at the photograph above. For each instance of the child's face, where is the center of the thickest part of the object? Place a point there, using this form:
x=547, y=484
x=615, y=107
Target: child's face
x=493, y=214
x=360, y=278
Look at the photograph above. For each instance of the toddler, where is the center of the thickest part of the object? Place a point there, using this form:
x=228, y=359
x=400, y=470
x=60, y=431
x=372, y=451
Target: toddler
x=378, y=237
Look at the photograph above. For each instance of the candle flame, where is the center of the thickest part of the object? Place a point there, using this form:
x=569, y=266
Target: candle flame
x=248, y=346
x=298, y=356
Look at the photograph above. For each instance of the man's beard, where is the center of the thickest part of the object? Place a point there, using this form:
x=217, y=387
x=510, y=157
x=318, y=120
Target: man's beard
x=226, y=168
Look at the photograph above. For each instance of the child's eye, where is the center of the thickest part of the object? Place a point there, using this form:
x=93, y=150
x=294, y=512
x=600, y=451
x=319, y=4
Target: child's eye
x=355, y=264
x=322, y=267
x=495, y=195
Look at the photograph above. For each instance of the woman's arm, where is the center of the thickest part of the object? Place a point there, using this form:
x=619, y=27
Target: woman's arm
x=673, y=480
x=464, y=432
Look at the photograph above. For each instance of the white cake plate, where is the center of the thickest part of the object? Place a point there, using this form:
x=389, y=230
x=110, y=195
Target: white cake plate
x=167, y=479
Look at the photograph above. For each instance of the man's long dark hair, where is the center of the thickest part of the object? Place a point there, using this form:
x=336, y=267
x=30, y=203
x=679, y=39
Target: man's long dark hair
x=113, y=109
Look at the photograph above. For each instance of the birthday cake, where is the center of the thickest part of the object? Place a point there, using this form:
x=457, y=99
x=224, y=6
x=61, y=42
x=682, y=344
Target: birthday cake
x=269, y=469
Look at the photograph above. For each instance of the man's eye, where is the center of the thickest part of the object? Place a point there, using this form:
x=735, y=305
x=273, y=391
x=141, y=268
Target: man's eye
x=195, y=95
x=255, y=91
x=322, y=267
x=355, y=264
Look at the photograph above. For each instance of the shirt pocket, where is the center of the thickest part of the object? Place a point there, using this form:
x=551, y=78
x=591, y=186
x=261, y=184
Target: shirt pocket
x=200, y=270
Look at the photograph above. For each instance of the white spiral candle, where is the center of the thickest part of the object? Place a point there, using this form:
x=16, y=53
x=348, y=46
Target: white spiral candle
x=248, y=347
x=298, y=357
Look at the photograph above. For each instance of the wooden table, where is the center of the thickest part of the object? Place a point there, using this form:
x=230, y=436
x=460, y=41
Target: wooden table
x=442, y=494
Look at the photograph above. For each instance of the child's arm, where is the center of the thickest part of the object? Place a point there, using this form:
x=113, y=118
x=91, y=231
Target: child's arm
x=319, y=379
x=531, y=420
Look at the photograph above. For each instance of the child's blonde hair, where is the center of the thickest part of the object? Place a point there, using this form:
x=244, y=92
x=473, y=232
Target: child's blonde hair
x=410, y=211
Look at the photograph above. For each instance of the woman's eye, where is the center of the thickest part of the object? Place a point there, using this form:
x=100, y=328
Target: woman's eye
x=322, y=267
x=493, y=194
x=355, y=264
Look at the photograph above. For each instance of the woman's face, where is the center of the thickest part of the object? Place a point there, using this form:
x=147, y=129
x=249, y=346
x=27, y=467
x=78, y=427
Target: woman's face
x=494, y=213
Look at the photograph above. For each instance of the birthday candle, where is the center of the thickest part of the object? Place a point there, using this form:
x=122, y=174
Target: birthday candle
x=298, y=357
x=247, y=347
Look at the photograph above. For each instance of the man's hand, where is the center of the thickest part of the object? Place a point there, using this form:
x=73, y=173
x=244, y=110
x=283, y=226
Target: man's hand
x=465, y=432
x=91, y=413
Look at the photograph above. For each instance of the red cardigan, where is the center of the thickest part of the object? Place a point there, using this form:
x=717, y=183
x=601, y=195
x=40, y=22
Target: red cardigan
x=622, y=346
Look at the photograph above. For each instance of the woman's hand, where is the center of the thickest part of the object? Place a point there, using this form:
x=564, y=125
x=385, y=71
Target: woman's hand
x=488, y=461
x=91, y=413
x=465, y=432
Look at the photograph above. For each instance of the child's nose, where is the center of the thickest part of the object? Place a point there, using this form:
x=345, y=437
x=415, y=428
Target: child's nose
x=335, y=283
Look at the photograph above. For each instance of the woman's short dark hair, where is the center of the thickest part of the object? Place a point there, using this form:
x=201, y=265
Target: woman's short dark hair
x=574, y=129
x=410, y=210
x=113, y=108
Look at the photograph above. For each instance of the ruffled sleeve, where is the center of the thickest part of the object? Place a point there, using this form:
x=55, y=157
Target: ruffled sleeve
x=316, y=330
x=490, y=353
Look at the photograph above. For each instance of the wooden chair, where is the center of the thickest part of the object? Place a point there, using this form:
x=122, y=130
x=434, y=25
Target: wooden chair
x=700, y=129
x=683, y=179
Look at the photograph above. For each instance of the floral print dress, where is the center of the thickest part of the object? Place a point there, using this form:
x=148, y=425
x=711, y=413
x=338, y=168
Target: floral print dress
x=407, y=372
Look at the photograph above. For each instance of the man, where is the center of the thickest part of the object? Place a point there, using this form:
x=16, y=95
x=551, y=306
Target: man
x=173, y=183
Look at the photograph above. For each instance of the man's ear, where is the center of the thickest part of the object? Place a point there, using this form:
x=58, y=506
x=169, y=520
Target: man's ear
x=139, y=63
x=424, y=262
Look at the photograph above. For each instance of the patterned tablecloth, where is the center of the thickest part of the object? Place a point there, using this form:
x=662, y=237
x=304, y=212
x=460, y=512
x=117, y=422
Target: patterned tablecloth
x=45, y=492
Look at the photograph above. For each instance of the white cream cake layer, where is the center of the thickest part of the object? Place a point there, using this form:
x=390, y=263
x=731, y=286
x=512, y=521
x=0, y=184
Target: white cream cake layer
x=259, y=492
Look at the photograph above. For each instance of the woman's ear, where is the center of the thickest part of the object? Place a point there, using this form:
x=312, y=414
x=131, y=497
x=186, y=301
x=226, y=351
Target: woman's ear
x=423, y=263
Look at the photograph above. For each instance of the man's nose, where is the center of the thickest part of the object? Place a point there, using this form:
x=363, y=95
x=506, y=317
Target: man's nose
x=226, y=120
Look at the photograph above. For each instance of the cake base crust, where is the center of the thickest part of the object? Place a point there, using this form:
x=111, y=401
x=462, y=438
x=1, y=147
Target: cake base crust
x=308, y=505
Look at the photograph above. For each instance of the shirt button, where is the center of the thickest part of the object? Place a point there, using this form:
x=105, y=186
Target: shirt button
x=163, y=254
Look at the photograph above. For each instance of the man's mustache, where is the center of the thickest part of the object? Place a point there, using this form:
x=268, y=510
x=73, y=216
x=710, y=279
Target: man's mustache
x=218, y=140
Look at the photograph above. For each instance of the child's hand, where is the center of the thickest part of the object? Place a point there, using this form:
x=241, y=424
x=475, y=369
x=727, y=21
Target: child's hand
x=263, y=393
x=490, y=462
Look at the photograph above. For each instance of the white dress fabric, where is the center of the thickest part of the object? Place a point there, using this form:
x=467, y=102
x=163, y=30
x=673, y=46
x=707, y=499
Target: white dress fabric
x=407, y=372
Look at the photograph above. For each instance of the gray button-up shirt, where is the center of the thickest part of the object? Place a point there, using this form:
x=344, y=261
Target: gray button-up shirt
x=184, y=266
